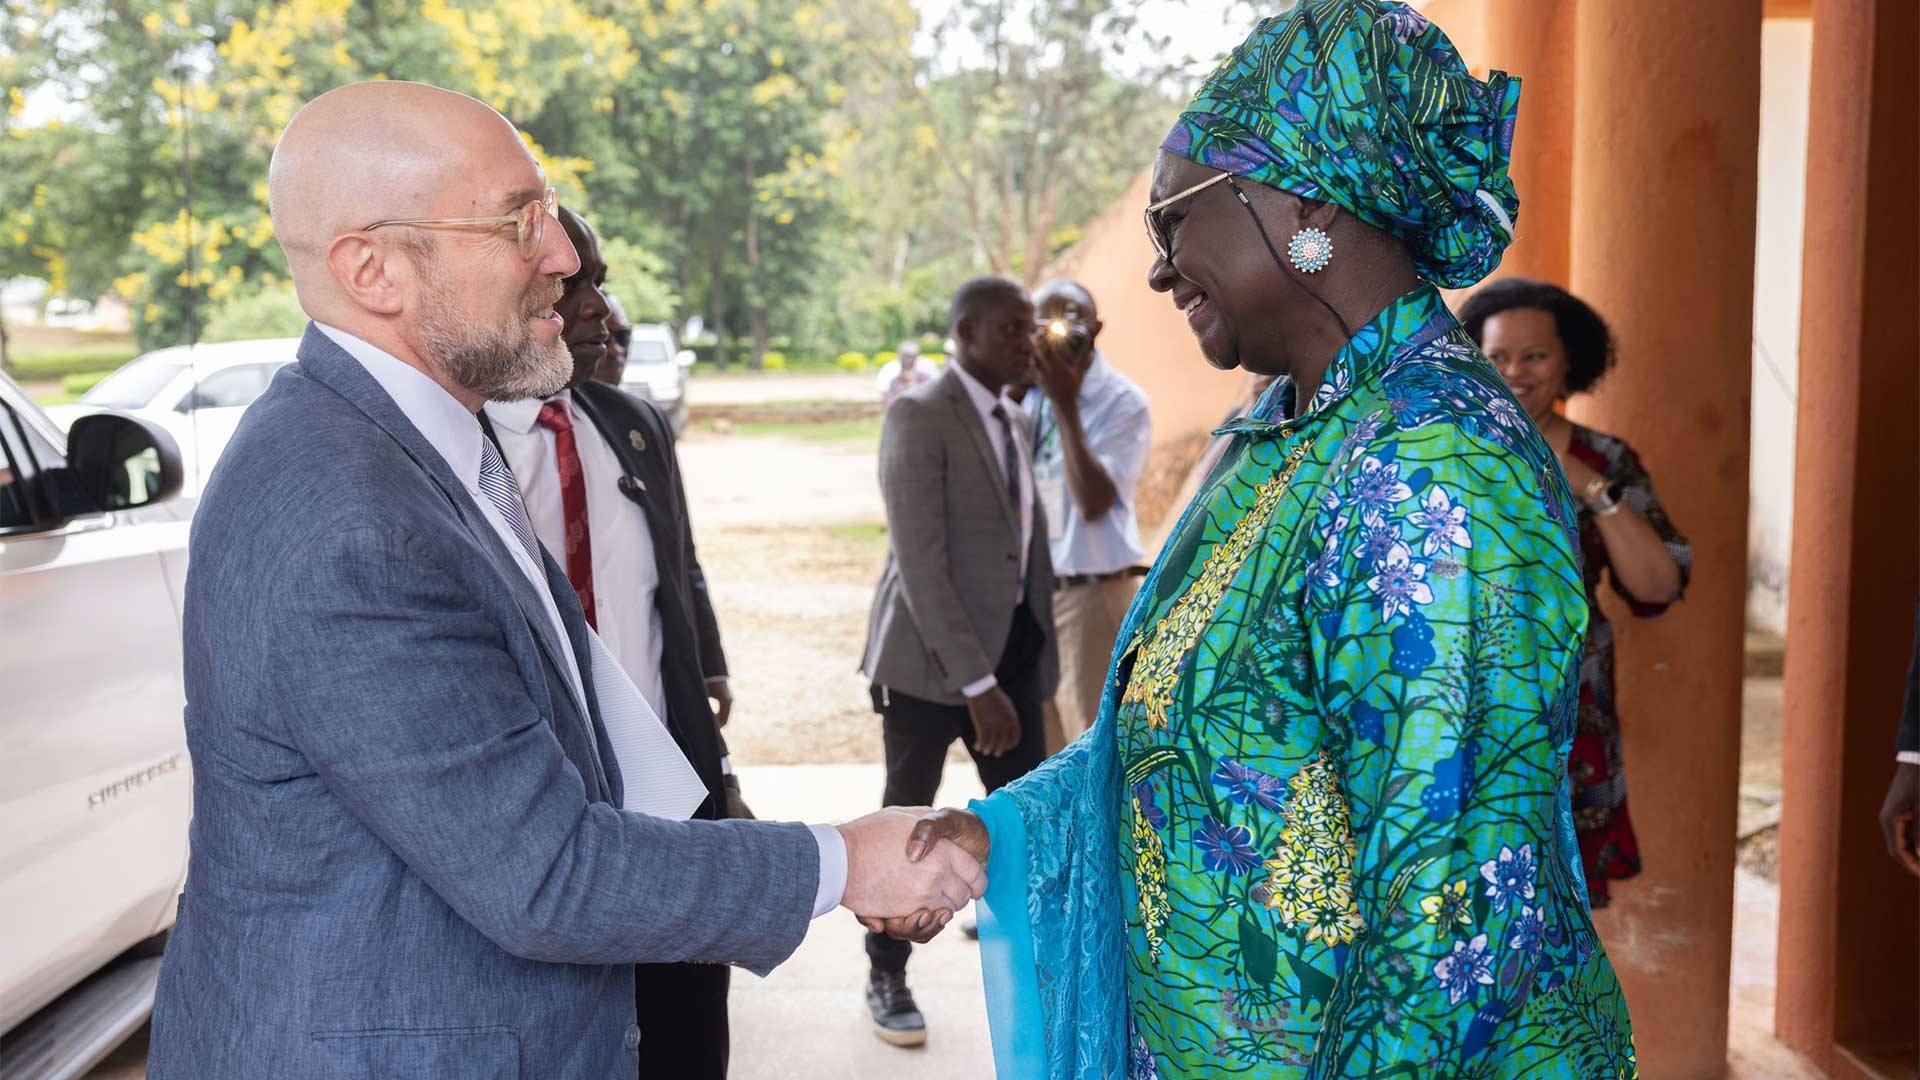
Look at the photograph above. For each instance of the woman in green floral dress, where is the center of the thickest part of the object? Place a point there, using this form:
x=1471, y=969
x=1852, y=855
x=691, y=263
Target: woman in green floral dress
x=1322, y=827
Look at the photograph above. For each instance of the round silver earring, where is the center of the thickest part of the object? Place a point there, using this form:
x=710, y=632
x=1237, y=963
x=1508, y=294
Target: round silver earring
x=1311, y=250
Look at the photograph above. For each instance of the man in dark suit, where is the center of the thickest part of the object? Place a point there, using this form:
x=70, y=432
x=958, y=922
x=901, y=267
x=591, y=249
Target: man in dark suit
x=960, y=641
x=605, y=497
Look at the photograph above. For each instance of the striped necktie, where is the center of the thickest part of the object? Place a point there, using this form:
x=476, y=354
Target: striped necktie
x=496, y=483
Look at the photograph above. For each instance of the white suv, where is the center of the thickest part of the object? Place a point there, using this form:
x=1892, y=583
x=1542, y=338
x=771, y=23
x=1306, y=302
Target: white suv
x=95, y=789
x=657, y=370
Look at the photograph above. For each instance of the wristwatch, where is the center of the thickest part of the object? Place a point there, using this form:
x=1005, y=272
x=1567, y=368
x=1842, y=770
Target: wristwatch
x=1602, y=497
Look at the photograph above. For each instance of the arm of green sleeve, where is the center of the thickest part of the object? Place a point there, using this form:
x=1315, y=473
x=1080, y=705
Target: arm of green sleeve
x=1450, y=664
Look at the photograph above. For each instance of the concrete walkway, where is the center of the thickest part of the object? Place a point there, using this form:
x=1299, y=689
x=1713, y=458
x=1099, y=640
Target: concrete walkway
x=808, y=1019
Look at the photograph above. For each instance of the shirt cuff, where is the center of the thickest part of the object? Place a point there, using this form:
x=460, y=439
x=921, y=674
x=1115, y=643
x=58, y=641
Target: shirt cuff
x=979, y=686
x=1908, y=757
x=833, y=868
x=726, y=765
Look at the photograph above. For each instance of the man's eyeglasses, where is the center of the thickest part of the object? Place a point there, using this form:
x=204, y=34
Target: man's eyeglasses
x=529, y=222
x=1157, y=229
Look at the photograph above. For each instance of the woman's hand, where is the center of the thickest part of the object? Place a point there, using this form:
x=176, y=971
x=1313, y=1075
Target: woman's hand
x=1580, y=475
x=966, y=831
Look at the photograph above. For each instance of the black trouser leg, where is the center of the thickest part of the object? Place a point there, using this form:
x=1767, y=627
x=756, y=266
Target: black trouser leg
x=1019, y=677
x=916, y=735
x=682, y=1013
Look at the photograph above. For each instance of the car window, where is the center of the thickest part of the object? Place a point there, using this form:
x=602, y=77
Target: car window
x=134, y=386
x=13, y=474
x=233, y=388
x=648, y=352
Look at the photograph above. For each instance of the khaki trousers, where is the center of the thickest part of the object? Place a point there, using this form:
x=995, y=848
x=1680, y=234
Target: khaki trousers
x=1087, y=619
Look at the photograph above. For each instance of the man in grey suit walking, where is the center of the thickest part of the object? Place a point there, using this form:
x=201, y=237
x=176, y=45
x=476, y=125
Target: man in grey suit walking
x=415, y=850
x=960, y=641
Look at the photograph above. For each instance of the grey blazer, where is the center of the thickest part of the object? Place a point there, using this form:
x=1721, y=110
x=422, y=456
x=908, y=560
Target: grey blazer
x=406, y=853
x=948, y=592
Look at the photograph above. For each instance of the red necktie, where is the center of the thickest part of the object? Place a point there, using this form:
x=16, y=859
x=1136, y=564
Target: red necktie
x=573, y=500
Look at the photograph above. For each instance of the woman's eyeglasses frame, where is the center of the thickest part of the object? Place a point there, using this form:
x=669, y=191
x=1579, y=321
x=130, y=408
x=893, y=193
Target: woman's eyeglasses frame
x=1156, y=231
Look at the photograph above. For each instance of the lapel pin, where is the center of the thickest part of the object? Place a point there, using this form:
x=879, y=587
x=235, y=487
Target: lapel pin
x=638, y=440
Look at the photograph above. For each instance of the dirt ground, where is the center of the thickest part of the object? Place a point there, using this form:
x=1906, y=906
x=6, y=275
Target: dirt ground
x=792, y=535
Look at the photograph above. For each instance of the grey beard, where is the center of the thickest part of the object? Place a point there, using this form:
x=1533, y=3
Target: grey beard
x=498, y=363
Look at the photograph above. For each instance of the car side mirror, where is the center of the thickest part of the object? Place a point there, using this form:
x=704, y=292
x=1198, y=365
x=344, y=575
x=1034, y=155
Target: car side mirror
x=122, y=462
x=684, y=358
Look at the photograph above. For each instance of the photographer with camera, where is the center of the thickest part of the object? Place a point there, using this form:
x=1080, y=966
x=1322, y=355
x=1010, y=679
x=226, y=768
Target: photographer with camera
x=1091, y=433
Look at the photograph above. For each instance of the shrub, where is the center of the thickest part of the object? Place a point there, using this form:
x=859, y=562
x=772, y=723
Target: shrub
x=852, y=361
x=774, y=360
x=885, y=357
x=72, y=360
x=938, y=359
x=273, y=312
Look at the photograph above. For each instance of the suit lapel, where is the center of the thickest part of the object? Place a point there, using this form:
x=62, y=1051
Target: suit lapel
x=644, y=483
x=970, y=420
x=327, y=363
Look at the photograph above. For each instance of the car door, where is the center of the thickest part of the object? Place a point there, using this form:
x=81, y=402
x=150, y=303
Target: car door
x=94, y=784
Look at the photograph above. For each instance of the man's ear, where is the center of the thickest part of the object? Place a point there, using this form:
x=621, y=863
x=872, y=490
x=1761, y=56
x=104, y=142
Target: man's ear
x=367, y=273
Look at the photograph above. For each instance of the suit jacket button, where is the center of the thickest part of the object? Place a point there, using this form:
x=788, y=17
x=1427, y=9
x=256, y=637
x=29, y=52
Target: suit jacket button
x=633, y=1036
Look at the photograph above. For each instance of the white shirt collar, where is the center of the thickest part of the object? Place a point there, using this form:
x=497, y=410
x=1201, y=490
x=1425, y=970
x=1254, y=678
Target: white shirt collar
x=519, y=417
x=982, y=398
x=445, y=423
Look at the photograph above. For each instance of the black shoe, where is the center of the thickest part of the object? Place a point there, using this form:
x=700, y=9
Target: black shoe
x=896, y=1019
x=970, y=928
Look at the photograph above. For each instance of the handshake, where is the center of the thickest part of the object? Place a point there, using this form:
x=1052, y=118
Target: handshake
x=909, y=868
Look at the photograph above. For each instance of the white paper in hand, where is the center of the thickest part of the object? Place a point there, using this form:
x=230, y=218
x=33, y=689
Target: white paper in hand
x=656, y=776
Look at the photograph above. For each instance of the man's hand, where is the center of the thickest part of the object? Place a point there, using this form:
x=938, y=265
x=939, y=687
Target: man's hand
x=721, y=694
x=996, y=726
x=882, y=882
x=1899, y=818
x=736, y=806
x=1059, y=373
x=960, y=828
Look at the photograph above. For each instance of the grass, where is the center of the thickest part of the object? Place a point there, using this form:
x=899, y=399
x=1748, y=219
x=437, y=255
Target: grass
x=860, y=539
x=865, y=429
x=62, y=361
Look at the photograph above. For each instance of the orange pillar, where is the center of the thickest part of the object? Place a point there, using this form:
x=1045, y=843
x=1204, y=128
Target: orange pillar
x=1534, y=41
x=1849, y=959
x=1665, y=177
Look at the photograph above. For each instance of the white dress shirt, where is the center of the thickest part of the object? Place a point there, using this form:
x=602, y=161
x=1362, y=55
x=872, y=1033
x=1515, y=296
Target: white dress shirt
x=984, y=402
x=455, y=434
x=1115, y=419
x=626, y=576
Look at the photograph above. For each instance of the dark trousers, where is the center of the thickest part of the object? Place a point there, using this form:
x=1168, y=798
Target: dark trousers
x=917, y=733
x=682, y=1013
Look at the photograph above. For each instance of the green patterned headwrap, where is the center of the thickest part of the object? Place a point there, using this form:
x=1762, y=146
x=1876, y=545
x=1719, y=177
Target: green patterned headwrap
x=1366, y=105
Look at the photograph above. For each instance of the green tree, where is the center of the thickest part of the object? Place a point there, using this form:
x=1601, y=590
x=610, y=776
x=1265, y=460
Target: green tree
x=1035, y=125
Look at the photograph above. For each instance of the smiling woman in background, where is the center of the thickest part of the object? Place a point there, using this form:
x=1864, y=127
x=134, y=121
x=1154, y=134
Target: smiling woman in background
x=1550, y=345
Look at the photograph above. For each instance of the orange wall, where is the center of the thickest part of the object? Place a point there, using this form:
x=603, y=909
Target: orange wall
x=1146, y=337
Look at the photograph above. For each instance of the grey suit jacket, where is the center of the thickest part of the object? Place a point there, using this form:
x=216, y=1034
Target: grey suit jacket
x=948, y=592
x=407, y=857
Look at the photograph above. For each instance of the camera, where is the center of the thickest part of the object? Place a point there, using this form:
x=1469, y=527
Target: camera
x=1069, y=333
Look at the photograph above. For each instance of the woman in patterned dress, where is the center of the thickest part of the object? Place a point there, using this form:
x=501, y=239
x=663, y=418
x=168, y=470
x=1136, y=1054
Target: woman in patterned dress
x=1549, y=345
x=1321, y=827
